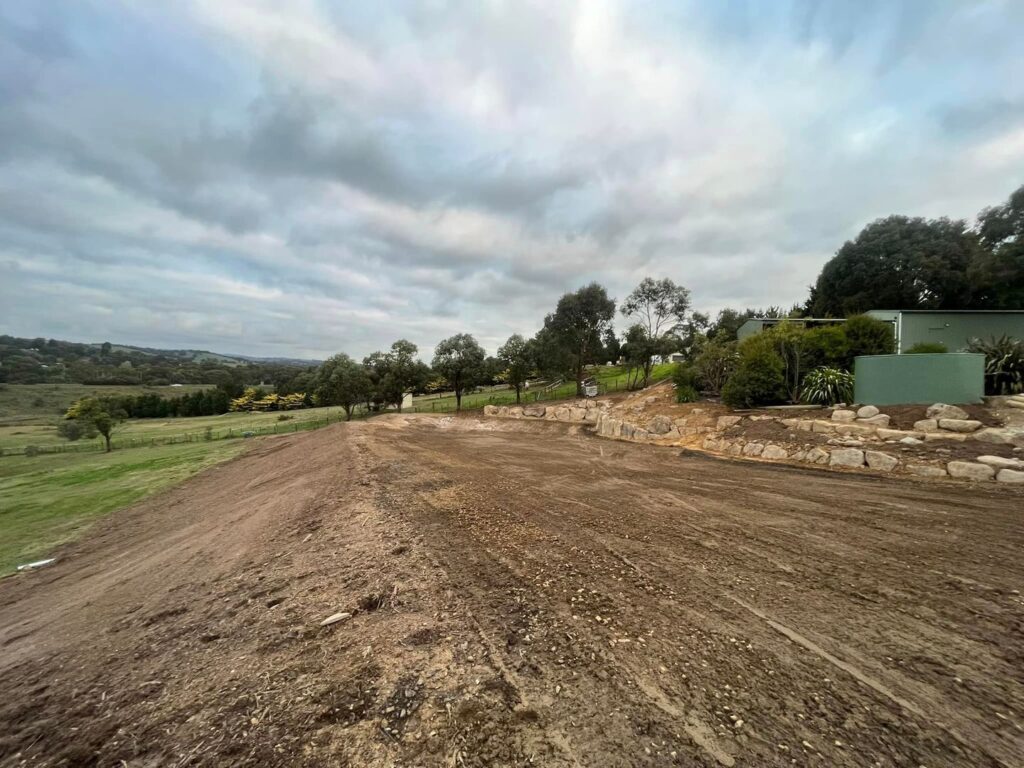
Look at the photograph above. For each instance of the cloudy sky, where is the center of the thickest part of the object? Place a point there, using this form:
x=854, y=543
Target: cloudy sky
x=302, y=178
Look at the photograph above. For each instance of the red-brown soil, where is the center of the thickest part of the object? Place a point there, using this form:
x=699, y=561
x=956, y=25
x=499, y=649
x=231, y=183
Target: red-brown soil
x=523, y=594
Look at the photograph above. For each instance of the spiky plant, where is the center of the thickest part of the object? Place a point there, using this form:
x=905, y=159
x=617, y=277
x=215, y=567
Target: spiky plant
x=825, y=386
x=1004, y=364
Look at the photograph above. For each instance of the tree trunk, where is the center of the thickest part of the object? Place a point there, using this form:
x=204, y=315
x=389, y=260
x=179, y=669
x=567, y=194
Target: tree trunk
x=348, y=413
x=517, y=394
x=107, y=438
x=458, y=400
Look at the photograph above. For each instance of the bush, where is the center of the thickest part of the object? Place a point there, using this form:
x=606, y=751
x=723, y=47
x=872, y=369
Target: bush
x=715, y=364
x=826, y=386
x=759, y=378
x=1004, y=364
x=927, y=348
x=32, y=450
x=285, y=417
x=867, y=336
x=825, y=345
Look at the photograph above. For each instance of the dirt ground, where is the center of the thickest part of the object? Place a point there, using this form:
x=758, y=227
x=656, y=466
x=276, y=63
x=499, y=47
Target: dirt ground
x=523, y=594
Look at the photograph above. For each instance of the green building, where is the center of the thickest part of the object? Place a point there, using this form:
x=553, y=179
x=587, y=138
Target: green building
x=953, y=328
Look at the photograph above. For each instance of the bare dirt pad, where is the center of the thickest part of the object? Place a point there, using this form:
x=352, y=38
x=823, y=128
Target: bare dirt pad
x=523, y=594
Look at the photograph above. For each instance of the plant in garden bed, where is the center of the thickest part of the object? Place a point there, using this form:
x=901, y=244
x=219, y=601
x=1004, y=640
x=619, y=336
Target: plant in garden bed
x=1004, y=364
x=825, y=386
x=685, y=379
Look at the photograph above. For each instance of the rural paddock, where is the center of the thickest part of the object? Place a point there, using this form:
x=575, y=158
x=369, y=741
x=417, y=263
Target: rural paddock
x=523, y=594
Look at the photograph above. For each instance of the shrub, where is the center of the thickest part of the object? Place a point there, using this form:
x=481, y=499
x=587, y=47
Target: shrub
x=715, y=364
x=759, y=378
x=826, y=386
x=1004, y=364
x=927, y=348
x=685, y=378
x=32, y=450
x=825, y=345
x=866, y=335
x=285, y=417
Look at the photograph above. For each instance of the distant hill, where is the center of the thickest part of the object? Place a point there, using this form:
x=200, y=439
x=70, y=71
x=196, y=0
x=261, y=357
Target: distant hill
x=42, y=361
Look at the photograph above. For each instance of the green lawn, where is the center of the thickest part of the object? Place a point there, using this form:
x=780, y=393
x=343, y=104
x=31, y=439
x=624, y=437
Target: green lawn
x=609, y=379
x=136, y=432
x=45, y=403
x=48, y=500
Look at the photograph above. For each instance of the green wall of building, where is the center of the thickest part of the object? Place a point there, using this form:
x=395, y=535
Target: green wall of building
x=954, y=329
x=895, y=379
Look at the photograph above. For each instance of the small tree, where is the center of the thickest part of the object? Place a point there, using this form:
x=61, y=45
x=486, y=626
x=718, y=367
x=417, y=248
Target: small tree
x=515, y=356
x=576, y=327
x=637, y=350
x=342, y=381
x=98, y=417
x=73, y=429
x=759, y=378
x=715, y=364
x=459, y=359
x=659, y=307
x=866, y=335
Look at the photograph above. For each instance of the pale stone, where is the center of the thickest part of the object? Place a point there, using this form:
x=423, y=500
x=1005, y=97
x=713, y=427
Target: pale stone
x=805, y=425
x=938, y=437
x=959, y=425
x=534, y=411
x=970, y=470
x=943, y=411
x=842, y=415
x=926, y=425
x=734, y=449
x=577, y=414
x=995, y=436
x=1015, y=403
x=854, y=429
x=847, y=457
x=791, y=423
x=1010, y=476
x=503, y=410
x=659, y=425
x=866, y=412
x=490, y=410
x=896, y=434
x=817, y=456
x=724, y=422
x=878, y=420
x=882, y=461
x=753, y=449
x=593, y=414
x=822, y=426
x=925, y=470
x=774, y=452
x=1001, y=462
x=515, y=411
x=911, y=441
x=799, y=456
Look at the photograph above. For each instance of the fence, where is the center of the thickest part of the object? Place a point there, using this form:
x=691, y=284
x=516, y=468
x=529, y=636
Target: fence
x=476, y=401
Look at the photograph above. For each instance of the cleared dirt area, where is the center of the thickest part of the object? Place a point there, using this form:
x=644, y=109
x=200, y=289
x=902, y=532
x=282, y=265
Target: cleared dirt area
x=523, y=594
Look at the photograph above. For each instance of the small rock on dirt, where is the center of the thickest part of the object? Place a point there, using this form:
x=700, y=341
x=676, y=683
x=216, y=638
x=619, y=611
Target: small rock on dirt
x=882, y=461
x=926, y=425
x=847, y=457
x=334, y=618
x=1001, y=462
x=1010, y=476
x=774, y=452
x=943, y=411
x=925, y=470
x=867, y=411
x=724, y=422
x=659, y=425
x=970, y=470
x=843, y=415
x=959, y=425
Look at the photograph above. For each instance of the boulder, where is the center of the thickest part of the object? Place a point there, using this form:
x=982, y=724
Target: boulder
x=534, y=411
x=855, y=429
x=878, y=420
x=490, y=410
x=774, y=452
x=724, y=422
x=895, y=434
x=866, y=412
x=1010, y=476
x=592, y=414
x=847, y=457
x=926, y=425
x=843, y=415
x=503, y=410
x=925, y=470
x=805, y=425
x=515, y=411
x=959, y=425
x=799, y=456
x=970, y=470
x=1001, y=462
x=817, y=456
x=562, y=413
x=995, y=436
x=911, y=441
x=659, y=425
x=734, y=449
x=753, y=449
x=820, y=425
x=577, y=414
x=882, y=461
x=1014, y=403
x=943, y=411
x=938, y=437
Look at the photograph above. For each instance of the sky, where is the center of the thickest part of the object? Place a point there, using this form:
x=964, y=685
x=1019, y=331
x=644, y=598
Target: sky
x=298, y=179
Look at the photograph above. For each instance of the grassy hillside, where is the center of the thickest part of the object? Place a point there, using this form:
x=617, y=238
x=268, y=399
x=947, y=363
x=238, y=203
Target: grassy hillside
x=45, y=403
x=48, y=500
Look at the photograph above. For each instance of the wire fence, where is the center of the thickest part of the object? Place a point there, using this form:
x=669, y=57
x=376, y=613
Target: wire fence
x=475, y=400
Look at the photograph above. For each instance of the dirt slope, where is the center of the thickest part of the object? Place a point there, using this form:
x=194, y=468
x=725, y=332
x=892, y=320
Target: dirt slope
x=523, y=594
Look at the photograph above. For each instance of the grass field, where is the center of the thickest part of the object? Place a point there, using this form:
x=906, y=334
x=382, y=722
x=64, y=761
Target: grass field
x=609, y=379
x=44, y=403
x=48, y=500
x=137, y=432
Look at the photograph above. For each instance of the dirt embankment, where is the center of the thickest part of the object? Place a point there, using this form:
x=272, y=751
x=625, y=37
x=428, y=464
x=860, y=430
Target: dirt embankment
x=522, y=594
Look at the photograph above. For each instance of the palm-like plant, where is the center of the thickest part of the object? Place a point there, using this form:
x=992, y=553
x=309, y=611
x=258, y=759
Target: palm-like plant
x=826, y=386
x=1004, y=364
